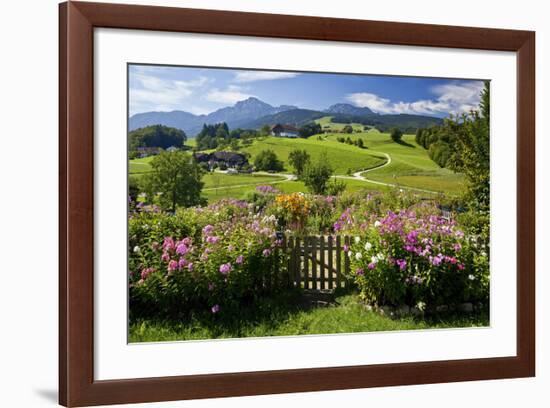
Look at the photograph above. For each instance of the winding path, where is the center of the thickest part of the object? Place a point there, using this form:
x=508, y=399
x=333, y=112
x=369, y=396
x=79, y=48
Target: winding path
x=359, y=175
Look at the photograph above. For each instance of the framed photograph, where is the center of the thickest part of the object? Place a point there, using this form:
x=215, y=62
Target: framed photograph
x=256, y=203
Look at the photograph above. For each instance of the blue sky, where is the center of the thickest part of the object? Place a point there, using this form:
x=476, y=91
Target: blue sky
x=203, y=90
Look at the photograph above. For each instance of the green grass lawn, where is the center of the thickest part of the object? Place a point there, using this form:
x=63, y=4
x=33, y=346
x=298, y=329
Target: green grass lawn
x=342, y=157
x=410, y=165
x=326, y=122
x=287, y=315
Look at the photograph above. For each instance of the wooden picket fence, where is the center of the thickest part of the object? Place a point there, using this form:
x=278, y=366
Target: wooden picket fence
x=317, y=262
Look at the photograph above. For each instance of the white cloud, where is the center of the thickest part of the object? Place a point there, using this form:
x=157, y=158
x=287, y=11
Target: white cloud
x=231, y=95
x=252, y=76
x=151, y=93
x=450, y=98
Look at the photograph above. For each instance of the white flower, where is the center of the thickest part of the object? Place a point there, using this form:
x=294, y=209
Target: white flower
x=136, y=250
x=374, y=259
x=350, y=254
x=377, y=224
x=421, y=306
x=471, y=277
x=380, y=256
x=357, y=240
x=368, y=246
x=358, y=256
x=483, y=253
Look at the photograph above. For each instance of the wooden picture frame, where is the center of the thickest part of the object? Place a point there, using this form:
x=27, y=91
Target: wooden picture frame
x=77, y=386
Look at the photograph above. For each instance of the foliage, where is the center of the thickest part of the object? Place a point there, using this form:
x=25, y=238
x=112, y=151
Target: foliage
x=291, y=210
x=267, y=160
x=347, y=129
x=156, y=136
x=317, y=175
x=299, y=159
x=309, y=129
x=207, y=260
x=213, y=135
x=176, y=177
x=416, y=259
x=396, y=134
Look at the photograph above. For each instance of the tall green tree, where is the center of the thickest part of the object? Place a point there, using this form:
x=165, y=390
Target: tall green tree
x=317, y=175
x=267, y=160
x=299, y=160
x=396, y=134
x=178, y=179
x=471, y=151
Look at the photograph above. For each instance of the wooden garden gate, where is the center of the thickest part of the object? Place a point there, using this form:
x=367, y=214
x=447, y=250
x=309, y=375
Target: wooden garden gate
x=318, y=262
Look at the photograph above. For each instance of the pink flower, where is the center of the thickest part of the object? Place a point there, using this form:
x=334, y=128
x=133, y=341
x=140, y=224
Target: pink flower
x=402, y=263
x=215, y=309
x=211, y=286
x=239, y=260
x=182, y=263
x=172, y=265
x=225, y=268
x=360, y=271
x=460, y=266
x=346, y=248
x=266, y=252
x=371, y=265
x=168, y=244
x=165, y=257
x=186, y=241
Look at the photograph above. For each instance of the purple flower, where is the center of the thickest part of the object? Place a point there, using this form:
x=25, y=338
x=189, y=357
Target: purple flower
x=182, y=263
x=401, y=263
x=371, y=265
x=239, y=260
x=215, y=309
x=182, y=249
x=266, y=252
x=190, y=266
x=346, y=248
x=207, y=230
x=225, y=268
x=212, y=239
x=360, y=271
x=457, y=247
x=211, y=286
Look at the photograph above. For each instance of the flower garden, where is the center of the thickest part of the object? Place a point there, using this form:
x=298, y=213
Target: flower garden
x=221, y=270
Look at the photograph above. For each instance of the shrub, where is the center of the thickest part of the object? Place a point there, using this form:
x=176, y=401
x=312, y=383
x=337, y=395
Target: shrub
x=423, y=261
x=202, y=260
x=267, y=160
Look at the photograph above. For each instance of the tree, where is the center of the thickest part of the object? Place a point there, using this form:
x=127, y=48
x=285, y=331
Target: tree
x=299, y=160
x=396, y=134
x=316, y=176
x=265, y=130
x=156, y=136
x=360, y=143
x=471, y=152
x=177, y=177
x=347, y=129
x=310, y=129
x=267, y=160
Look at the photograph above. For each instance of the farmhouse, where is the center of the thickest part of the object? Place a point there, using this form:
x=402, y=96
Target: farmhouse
x=144, y=151
x=284, y=131
x=229, y=159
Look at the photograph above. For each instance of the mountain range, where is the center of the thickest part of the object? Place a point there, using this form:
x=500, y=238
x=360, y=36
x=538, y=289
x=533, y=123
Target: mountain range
x=253, y=113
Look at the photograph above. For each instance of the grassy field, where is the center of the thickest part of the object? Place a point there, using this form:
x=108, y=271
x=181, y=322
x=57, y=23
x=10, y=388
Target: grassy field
x=342, y=157
x=410, y=165
x=289, y=317
x=325, y=123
